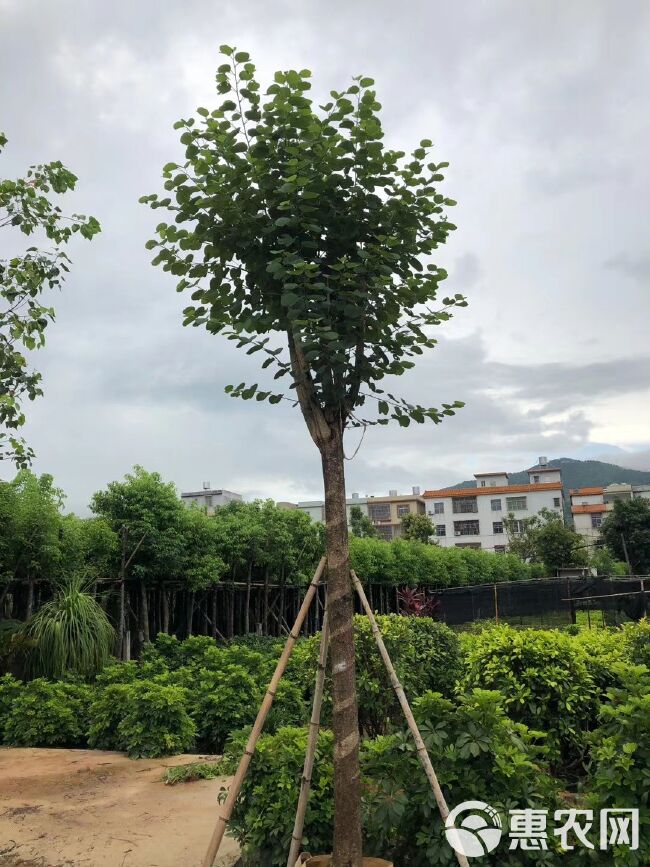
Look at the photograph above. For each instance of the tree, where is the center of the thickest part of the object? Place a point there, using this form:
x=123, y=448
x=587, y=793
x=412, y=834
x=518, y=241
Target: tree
x=30, y=535
x=629, y=520
x=294, y=223
x=149, y=518
x=558, y=545
x=545, y=538
x=361, y=525
x=417, y=528
x=25, y=205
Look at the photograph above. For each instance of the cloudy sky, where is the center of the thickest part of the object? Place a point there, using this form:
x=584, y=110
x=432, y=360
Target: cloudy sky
x=541, y=108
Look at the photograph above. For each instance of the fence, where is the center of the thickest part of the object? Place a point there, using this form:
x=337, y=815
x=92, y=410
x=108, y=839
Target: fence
x=547, y=601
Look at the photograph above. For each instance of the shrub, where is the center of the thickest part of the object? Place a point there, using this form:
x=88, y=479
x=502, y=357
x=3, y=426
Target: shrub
x=637, y=641
x=9, y=690
x=70, y=633
x=544, y=678
x=222, y=701
x=477, y=751
x=107, y=712
x=426, y=656
x=478, y=754
x=620, y=759
x=262, y=821
x=45, y=714
x=141, y=718
x=156, y=722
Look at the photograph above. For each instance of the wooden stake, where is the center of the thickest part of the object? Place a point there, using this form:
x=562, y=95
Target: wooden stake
x=423, y=755
x=245, y=761
x=312, y=741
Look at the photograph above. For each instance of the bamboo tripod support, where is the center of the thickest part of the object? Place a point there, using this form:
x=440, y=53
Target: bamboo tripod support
x=245, y=761
x=423, y=755
x=312, y=741
x=314, y=726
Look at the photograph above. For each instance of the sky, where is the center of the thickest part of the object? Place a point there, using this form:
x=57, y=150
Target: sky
x=542, y=110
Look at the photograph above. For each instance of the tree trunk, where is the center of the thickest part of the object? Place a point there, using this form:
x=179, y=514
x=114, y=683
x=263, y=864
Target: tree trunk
x=345, y=722
x=190, y=612
x=165, y=611
x=144, y=613
x=266, y=601
x=247, y=616
x=29, y=608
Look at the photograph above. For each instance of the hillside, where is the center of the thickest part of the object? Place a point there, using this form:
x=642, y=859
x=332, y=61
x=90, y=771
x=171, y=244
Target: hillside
x=582, y=474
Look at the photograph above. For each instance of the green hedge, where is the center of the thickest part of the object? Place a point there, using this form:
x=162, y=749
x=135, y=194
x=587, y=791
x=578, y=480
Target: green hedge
x=419, y=565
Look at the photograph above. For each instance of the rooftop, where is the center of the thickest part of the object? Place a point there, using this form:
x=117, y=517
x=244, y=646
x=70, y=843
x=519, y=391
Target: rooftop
x=498, y=489
x=589, y=508
x=586, y=492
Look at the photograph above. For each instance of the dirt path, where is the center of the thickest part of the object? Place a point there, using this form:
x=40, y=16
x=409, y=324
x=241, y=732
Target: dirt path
x=89, y=808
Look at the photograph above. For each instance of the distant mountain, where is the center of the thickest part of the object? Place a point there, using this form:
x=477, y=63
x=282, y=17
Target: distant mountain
x=581, y=474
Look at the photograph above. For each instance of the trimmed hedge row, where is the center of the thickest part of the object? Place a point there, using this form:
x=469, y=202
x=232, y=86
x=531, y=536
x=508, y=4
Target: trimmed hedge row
x=414, y=563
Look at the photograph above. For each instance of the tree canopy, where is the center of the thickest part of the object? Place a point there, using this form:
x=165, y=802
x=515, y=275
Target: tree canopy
x=630, y=521
x=26, y=206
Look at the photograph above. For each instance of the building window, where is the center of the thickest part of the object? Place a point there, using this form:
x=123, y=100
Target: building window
x=557, y=502
x=385, y=533
x=379, y=511
x=461, y=505
x=536, y=480
x=403, y=510
x=441, y=530
x=497, y=527
x=438, y=508
x=499, y=549
x=516, y=504
x=468, y=544
x=596, y=521
x=466, y=528
x=482, y=484
x=496, y=505
x=518, y=527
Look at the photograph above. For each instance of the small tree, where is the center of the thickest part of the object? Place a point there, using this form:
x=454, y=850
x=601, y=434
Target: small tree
x=417, y=528
x=630, y=521
x=361, y=525
x=545, y=538
x=294, y=222
x=26, y=206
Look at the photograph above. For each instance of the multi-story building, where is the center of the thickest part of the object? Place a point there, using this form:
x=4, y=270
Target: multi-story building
x=589, y=506
x=210, y=498
x=473, y=517
x=386, y=513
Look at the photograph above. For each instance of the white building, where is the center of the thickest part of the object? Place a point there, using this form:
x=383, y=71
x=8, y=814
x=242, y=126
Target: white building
x=386, y=513
x=473, y=517
x=589, y=506
x=210, y=499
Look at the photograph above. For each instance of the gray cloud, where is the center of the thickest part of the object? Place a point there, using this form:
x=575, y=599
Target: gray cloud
x=542, y=112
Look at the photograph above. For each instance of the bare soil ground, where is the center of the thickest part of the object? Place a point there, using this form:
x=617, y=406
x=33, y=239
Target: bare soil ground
x=89, y=808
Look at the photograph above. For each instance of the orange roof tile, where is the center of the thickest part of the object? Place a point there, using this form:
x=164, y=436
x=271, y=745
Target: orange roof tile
x=497, y=489
x=585, y=492
x=589, y=508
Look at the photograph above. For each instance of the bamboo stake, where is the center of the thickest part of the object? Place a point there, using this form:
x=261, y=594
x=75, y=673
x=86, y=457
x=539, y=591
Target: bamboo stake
x=423, y=755
x=312, y=741
x=245, y=761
